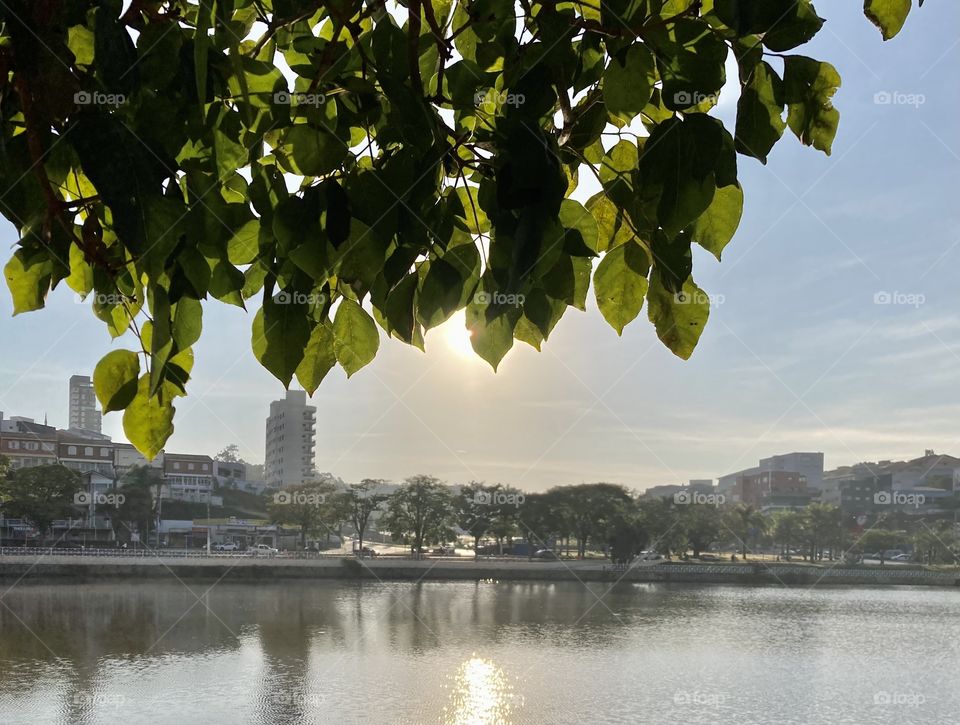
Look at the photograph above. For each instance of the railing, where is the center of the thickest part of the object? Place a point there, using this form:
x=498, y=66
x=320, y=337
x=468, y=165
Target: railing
x=145, y=552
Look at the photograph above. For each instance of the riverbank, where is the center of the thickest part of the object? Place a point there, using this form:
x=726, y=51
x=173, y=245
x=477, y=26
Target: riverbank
x=48, y=568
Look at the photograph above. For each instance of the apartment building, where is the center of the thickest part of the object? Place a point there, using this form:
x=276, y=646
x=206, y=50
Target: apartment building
x=84, y=415
x=290, y=441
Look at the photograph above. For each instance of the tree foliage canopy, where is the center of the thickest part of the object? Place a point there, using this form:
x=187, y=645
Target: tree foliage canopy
x=339, y=165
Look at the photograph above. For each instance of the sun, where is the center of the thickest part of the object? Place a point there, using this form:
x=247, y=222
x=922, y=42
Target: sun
x=457, y=336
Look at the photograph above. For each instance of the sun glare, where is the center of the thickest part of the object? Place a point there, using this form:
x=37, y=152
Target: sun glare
x=457, y=336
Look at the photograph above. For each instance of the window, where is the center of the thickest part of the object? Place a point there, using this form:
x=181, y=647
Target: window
x=71, y=450
x=32, y=446
x=206, y=466
x=104, y=452
x=88, y=451
x=189, y=466
x=14, y=445
x=176, y=466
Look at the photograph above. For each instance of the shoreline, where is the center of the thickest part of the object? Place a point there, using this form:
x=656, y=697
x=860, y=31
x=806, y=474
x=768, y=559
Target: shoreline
x=48, y=568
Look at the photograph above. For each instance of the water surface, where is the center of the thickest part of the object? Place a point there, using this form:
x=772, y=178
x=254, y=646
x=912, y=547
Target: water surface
x=464, y=653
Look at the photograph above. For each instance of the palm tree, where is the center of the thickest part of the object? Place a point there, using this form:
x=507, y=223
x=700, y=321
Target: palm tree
x=746, y=523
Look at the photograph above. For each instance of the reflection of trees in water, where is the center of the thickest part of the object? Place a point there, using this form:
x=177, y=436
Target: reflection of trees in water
x=300, y=628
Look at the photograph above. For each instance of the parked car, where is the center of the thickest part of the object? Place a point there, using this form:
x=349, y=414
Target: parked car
x=445, y=551
x=547, y=554
x=264, y=550
x=650, y=556
x=227, y=546
x=367, y=552
x=709, y=557
x=901, y=557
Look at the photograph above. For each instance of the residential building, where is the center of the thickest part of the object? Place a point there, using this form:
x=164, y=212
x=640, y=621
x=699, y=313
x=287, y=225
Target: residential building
x=665, y=491
x=771, y=491
x=83, y=404
x=85, y=454
x=290, y=441
x=127, y=457
x=188, y=477
x=28, y=444
x=725, y=484
x=807, y=464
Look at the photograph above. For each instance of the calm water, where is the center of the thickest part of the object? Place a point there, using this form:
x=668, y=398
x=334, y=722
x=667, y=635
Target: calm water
x=477, y=654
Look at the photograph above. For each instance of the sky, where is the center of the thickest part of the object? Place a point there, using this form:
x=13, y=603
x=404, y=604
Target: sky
x=833, y=328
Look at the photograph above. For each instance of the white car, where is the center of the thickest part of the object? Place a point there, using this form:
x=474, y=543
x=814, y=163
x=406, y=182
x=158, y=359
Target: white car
x=230, y=546
x=264, y=550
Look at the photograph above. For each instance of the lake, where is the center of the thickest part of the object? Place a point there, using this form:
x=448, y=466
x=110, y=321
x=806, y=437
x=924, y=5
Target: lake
x=465, y=653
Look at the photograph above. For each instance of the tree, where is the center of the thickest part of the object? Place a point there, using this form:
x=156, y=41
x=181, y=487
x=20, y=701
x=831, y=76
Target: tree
x=701, y=524
x=822, y=523
x=591, y=506
x=4, y=466
x=306, y=506
x=230, y=454
x=626, y=535
x=746, y=523
x=40, y=494
x=146, y=158
x=420, y=513
x=475, y=511
x=787, y=530
x=361, y=502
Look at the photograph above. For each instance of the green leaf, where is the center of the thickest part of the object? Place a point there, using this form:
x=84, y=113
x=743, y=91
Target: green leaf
x=678, y=166
x=201, y=41
x=809, y=86
x=888, y=15
x=356, y=339
x=281, y=332
x=628, y=81
x=115, y=379
x=318, y=358
x=80, y=42
x=28, y=277
x=679, y=317
x=714, y=229
x=690, y=58
x=244, y=243
x=81, y=273
x=148, y=420
x=620, y=284
x=760, y=121
x=491, y=337
x=312, y=152
x=581, y=235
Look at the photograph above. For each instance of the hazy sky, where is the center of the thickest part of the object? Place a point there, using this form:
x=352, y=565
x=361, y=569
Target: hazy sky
x=797, y=354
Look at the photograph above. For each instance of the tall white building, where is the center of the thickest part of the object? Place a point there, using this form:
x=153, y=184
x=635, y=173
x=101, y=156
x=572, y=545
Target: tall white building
x=83, y=405
x=291, y=438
